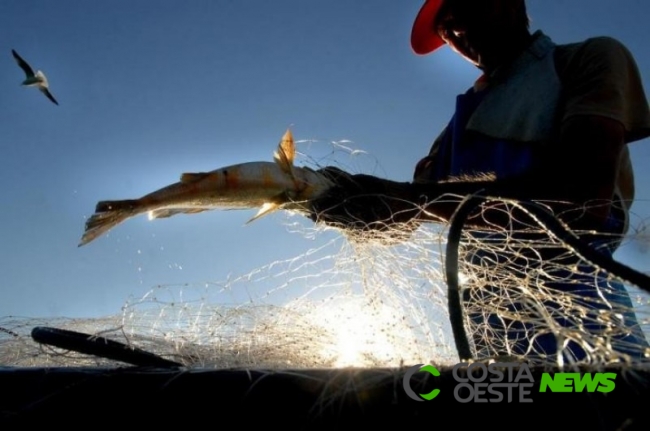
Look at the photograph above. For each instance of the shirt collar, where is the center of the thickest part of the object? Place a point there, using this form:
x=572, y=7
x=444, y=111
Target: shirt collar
x=539, y=47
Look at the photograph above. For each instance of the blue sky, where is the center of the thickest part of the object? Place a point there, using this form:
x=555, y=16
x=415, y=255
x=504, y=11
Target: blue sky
x=150, y=90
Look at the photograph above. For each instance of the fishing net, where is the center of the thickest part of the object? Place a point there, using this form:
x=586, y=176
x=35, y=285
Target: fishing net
x=522, y=292
x=337, y=305
x=550, y=295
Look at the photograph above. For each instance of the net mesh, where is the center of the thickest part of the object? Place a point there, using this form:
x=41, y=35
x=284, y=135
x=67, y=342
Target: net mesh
x=377, y=302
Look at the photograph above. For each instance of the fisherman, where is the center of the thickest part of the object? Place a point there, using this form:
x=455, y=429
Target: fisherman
x=544, y=122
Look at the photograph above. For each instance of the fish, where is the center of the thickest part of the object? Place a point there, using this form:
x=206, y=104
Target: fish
x=269, y=186
x=32, y=79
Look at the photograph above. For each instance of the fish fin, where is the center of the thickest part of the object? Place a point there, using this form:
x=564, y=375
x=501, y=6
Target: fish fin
x=286, y=152
x=192, y=177
x=107, y=215
x=168, y=212
x=266, y=209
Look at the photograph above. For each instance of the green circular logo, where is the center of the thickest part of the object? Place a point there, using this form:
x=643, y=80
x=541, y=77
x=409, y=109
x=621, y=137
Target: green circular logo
x=407, y=382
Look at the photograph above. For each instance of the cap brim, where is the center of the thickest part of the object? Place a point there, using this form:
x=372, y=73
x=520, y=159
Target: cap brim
x=424, y=39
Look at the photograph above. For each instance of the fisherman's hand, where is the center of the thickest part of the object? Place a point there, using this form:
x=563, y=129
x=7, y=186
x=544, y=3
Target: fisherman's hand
x=363, y=202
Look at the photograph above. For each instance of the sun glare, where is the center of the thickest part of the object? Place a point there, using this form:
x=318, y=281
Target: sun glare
x=363, y=333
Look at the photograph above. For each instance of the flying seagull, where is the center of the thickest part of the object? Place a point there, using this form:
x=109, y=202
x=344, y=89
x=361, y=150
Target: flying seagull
x=32, y=79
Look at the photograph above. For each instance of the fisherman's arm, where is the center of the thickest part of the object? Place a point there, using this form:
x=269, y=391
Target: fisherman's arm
x=578, y=180
x=368, y=203
x=604, y=109
x=584, y=170
x=364, y=202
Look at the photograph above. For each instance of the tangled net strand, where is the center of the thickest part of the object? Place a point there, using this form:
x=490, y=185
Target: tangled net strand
x=371, y=302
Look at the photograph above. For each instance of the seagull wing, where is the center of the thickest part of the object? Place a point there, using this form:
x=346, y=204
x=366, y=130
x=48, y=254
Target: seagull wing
x=23, y=64
x=49, y=95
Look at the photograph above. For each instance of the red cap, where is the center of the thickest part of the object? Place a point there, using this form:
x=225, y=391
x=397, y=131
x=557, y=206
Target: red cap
x=424, y=38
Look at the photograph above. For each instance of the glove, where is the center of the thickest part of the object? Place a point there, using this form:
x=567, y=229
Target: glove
x=363, y=203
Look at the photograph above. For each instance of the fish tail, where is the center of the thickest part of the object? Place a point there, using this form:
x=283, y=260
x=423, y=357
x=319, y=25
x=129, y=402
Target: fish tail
x=107, y=215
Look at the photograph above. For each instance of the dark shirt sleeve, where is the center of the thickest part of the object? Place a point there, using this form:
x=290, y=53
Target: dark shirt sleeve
x=600, y=77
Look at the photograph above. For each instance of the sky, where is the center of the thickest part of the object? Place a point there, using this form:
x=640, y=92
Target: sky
x=149, y=91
